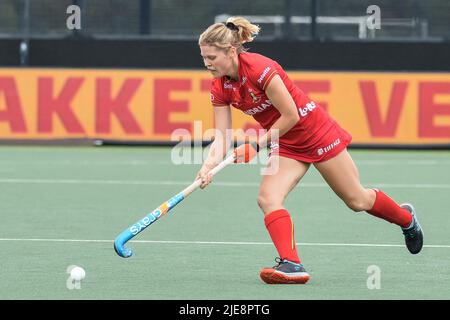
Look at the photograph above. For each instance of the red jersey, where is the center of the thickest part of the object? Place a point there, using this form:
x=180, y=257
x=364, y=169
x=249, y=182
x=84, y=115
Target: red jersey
x=310, y=133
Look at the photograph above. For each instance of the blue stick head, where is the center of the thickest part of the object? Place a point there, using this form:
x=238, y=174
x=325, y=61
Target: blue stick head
x=120, y=249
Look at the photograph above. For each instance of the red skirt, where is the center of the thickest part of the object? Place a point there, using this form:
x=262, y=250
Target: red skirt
x=329, y=145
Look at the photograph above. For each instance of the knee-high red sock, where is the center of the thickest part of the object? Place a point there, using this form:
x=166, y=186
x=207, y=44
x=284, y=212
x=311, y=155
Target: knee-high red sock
x=387, y=209
x=281, y=230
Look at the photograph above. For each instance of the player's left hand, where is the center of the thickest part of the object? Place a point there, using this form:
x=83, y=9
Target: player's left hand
x=246, y=152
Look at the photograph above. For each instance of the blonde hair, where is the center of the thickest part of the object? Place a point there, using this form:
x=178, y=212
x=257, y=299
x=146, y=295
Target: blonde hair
x=234, y=32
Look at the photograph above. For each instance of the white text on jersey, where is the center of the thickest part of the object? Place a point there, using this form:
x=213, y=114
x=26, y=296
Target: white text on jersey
x=265, y=72
x=307, y=109
x=260, y=108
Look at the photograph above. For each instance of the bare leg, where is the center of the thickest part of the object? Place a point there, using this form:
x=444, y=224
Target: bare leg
x=274, y=188
x=273, y=191
x=342, y=176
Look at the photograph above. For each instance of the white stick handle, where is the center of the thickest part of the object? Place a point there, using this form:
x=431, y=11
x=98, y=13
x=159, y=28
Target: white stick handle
x=197, y=183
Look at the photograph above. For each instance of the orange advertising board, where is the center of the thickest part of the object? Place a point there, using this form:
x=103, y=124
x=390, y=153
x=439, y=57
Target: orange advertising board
x=149, y=105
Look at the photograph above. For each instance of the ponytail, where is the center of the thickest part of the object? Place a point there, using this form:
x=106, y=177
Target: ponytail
x=234, y=32
x=246, y=31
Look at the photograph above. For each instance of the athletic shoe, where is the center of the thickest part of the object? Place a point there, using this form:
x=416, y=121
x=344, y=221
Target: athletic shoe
x=286, y=272
x=413, y=234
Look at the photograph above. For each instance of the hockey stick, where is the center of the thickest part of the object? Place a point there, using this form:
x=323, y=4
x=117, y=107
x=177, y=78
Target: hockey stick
x=141, y=225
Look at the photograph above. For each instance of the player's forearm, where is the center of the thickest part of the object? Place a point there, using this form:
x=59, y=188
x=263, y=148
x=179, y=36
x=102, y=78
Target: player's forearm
x=278, y=129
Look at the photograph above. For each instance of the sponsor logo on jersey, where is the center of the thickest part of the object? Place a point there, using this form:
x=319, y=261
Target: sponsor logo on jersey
x=227, y=85
x=254, y=97
x=307, y=109
x=259, y=108
x=328, y=148
x=266, y=70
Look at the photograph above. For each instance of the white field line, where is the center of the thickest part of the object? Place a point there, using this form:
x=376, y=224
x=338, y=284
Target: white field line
x=402, y=162
x=233, y=243
x=86, y=163
x=215, y=183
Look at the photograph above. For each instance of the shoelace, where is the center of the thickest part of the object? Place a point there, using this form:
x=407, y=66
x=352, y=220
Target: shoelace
x=410, y=233
x=279, y=261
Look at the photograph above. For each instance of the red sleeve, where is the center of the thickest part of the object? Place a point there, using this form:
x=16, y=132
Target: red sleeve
x=263, y=70
x=218, y=98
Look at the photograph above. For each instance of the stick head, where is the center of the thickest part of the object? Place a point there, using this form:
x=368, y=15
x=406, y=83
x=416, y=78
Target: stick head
x=120, y=249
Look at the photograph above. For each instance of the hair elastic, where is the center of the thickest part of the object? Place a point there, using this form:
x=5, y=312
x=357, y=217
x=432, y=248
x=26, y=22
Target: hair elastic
x=231, y=26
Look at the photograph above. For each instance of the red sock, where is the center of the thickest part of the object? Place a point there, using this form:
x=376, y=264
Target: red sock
x=281, y=230
x=386, y=208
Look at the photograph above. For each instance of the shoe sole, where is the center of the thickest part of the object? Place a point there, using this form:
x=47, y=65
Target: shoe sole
x=272, y=276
